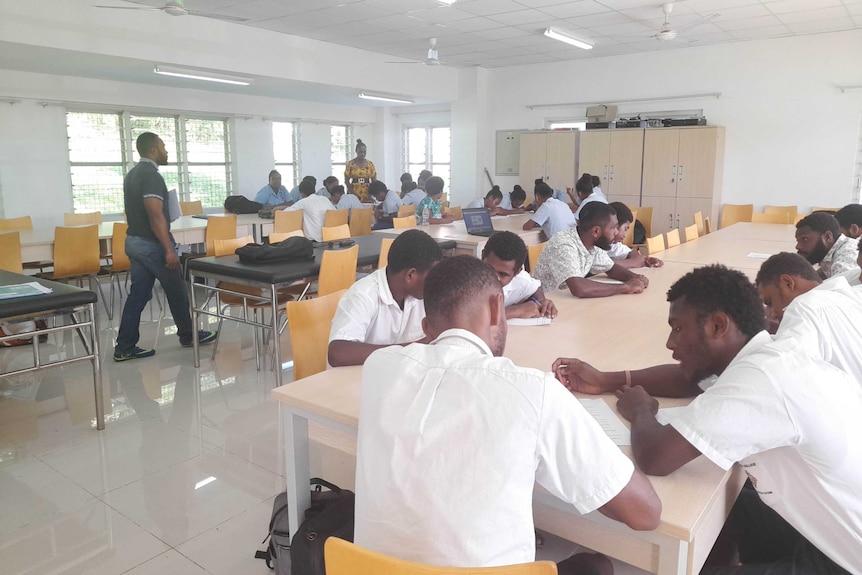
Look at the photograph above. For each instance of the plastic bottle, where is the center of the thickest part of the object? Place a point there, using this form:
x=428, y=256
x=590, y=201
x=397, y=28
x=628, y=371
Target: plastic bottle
x=426, y=216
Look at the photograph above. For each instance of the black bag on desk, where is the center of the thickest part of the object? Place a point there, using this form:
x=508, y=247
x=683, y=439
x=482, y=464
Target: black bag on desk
x=241, y=205
x=295, y=249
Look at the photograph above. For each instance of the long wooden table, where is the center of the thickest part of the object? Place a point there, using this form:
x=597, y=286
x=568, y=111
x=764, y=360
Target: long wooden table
x=734, y=245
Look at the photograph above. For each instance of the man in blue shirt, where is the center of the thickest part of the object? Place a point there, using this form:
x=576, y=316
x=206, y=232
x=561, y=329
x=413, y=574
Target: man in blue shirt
x=274, y=194
x=343, y=201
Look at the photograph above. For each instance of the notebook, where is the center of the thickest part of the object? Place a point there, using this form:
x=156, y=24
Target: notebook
x=478, y=222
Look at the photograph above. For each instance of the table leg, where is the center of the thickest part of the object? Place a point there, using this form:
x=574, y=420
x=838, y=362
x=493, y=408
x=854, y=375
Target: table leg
x=195, y=319
x=97, y=370
x=296, y=465
x=276, y=340
x=673, y=557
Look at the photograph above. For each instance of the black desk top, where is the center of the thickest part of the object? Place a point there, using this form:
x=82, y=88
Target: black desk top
x=285, y=272
x=63, y=296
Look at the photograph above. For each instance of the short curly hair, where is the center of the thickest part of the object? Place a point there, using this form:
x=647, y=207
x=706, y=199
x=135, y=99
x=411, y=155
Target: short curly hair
x=717, y=288
x=849, y=215
x=624, y=213
x=457, y=283
x=820, y=222
x=507, y=246
x=785, y=263
x=413, y=249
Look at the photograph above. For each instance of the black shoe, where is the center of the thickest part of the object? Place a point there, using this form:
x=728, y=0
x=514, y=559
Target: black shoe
x=204, y=338
x=134, y=353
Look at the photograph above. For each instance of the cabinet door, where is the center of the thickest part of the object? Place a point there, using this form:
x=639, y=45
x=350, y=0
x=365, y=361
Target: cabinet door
x=630, y=201
x=594, y=157
x=626, y=163
x=686, y=207
x=663, y=214
x=697, y=162
x=532, y=165
x=560, y=160
x=661, y=153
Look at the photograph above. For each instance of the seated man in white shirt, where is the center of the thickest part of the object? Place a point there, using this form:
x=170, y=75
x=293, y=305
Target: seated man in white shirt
x=551, y=214
x=343, y=201
x=523, y=296
x=313, y=208
x=453, y=438
x=791, y=421
x=387, y=208
x=621, y=253
x=573, y=254
x=385, y=307
x=490, y=202
x=819, y=240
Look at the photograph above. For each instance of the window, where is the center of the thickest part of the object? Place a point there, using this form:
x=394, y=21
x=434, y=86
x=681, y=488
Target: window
x=284, y=151
x=341, y=137
x=102, y=150
x=428, y=148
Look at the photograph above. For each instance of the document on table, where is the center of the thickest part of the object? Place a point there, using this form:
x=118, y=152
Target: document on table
x=608, y=421
x=759, y=255
x=23, y=290
x=529, y=321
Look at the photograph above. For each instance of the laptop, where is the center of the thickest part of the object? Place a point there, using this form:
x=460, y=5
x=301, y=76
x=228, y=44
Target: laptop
x=478, y=222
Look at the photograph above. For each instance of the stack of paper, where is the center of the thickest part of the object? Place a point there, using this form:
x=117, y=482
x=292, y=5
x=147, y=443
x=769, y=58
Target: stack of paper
x=23, y=290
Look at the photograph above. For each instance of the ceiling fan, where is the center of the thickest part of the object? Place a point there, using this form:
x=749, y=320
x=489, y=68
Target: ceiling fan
x=175, y=8
x=432, y=59
x=668, y=32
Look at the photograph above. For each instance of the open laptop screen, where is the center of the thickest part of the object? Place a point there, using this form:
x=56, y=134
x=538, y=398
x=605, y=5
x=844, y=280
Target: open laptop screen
x=477, y=219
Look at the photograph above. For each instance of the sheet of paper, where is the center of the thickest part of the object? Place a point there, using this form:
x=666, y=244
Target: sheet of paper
x=174, y=205
x=608, y=421
x=529, y=321
x=23, y=290
x=759, y=255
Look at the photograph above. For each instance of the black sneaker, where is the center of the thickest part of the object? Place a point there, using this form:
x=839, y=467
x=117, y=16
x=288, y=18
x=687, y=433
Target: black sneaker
x=204, y=338
x=134, y=353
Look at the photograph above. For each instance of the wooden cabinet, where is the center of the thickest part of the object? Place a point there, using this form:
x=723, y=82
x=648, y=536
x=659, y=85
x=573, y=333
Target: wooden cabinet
x=616, y=157
x=550, y=156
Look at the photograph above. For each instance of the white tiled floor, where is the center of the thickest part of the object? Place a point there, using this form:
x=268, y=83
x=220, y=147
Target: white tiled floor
x=181, y=481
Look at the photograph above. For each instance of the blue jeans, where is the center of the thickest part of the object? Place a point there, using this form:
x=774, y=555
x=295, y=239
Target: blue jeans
x=148, y=265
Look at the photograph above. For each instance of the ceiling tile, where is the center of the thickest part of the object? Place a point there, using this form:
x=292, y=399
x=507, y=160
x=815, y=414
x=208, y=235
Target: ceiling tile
x=529, y=40
x=653, y=12
x=474, y=24
x=520, y=17
x=784, y=6
x=541, y=3
x=258, y=10
x=622, y=29
x=809, y=15
x=752, y=11
x=505, y=33
x=710, y=6
x=812, y=26
x=488, y=7
x=604, y=19
x=571, y=9
x=628, y=4
x=748, y=23
x=760, y=33
x=440, y=14
x=356, y=11
x=396, y=6
x=398, y=22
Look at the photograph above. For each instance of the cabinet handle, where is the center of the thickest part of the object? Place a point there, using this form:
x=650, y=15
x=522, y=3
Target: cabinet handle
x=673, y=174
x=680, y=173
x=669, y=221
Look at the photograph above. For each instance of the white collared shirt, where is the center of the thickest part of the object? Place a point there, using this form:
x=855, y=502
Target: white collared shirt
x=451, y=441
x=619, y=251
x=793, y=423
x=841, y=257
x=314, y=210
x=594, y=197
x=391, y=203
x=554, y=216
x=477, y=203
x=368, y=313
x=520, y=289
x=348, y=202
x=852, y=276
x=566, y=256
x=413, y=197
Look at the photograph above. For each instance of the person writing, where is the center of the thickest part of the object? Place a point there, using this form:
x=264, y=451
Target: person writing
x=388, y=203
x=551, y=214
x=523, y=296
x=621, y=253
x=359, y=173
x=343, y=201
x=490, y=202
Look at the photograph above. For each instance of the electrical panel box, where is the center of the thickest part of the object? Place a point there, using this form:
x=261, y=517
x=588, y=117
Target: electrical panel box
x=508, y=151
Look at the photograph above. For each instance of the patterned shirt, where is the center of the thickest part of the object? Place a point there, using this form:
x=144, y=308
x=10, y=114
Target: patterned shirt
x=565, y=256
x=841, y=258
x=435, y=208
x=361, y=177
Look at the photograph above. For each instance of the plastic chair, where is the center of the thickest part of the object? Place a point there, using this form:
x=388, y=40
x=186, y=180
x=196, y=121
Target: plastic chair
x=698, y=221
x=191, y=208
x=309, y=322
x=655, y=244
x=444, y=200
x=455, y=211
x=789, y=211
x=360, y=221
x=707, y=225
x=405, y=210
x=287, y=221
x=673, y=238
x=344, y=558
x=22, y=223
x=629, y=238
x=818, y=209
x=76, y=256
x=735, y=213
x=533, y=253
x=334, y=218
x=275, y=237
x=645, y=218
x=337, y=270
x=773, y=218
x=119, y=260
x=383, y=259
x=404, y=223
x=10, y=252
x=82, y=219
x=219, y=228
x=691, y=233
x=339, y=232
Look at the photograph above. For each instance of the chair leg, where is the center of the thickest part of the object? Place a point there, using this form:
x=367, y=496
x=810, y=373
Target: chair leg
x=256, y=332
x=109, y=310
x=215, y=345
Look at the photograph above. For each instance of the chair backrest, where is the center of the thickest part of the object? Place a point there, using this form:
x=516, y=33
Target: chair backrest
x=10, y=252
x=191, y=208
x=698, y=221
x=773, y=218
x=360, y=221
x=76, y=251
x=645, y=218
x=819, y=209
x=229, y=246
x=287, y=221
x=405, y=222
x=629, y=238
x=734, y=213
x=344, y=558
x=385, y=244
x=337, y=270
x=22, y=223
x=404, y=210
x=444, y=200
x=707, y=225
x=691, y=233
x=275, y=237
x=332, y=233
x=455, y=211
x=789, y=211
x=120, y=261
x=82, y=219
x=219, y=228
x=533, y=253
x=655, y=244
x=673, y=238
x=334, y=218
x=309, y=322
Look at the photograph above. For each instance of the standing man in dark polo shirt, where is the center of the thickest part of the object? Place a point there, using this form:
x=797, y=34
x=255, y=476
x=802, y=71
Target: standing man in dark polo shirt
x=151, y=249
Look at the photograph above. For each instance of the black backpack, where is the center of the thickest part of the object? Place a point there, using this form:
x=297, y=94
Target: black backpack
x=241, y=205
x=295, y=249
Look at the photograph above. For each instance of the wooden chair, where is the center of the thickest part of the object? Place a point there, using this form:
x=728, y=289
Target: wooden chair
x=309, y=322
x=76, y=257
x=10, y=252
x=818, y=209
x=789, y=211
x=337, y=270
x=275, y=237
x=82, y=219
x=533, y=253
x=645, y=218
x=385, y=244
x=405, y=222
x=334, y=218
x=767, y=218
x=22, y=223
x=691, y=233
x=629, y=238
x=735, y=213
x=287, y=221
x=345, y=558
x=119, y=261
x=191, y=208
x=405, y=210
x=707, y=225
x=360, y=221
x=655, y=244
x=339, y=232
x=673, y=238
x=444, y=200
x=698, y=221
x=455, y=211
x=219, y=228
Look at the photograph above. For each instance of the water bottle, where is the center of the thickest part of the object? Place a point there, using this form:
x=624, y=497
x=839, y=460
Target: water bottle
x=426, y=216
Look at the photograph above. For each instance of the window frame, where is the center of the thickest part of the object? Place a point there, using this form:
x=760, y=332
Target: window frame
x=429, y=148
x=348, y=139
x=294, y=164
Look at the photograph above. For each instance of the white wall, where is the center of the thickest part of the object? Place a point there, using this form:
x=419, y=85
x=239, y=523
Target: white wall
x=791, y=135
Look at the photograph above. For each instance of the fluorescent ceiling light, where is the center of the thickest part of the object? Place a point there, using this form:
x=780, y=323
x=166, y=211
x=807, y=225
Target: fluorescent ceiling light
x=382, y=98
x=567, y=38
x=200, y=75
x=204, y=482
x=449, y=2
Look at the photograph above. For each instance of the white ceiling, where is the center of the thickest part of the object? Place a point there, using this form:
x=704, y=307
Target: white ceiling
x=493, y=33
